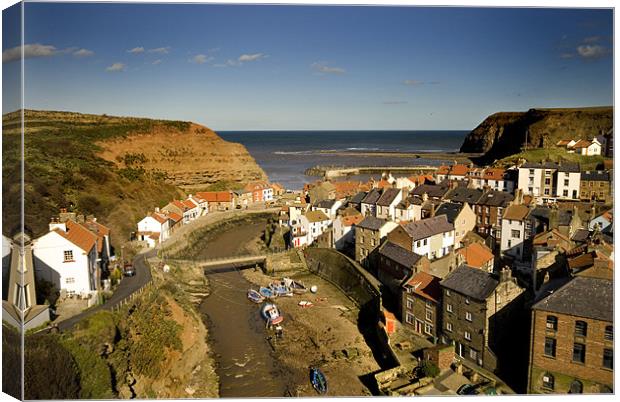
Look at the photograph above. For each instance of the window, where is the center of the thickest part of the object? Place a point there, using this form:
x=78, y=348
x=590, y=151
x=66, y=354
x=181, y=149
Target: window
x=579, y=353
x=608, y=358
x=550, y=347
x=429, y=304
x=467, y=335
x=547, y=182
x=509, y=243
x=68, y=255
x=424, y=242
x=473, y=353
x=467, y=300
x=417, y=244
x=409, y=303
x=515, y=234
x=565, y=193
x=609, y=333
x=531, y=171
x=552, y=322
x=449, y=308
x=449, y=326
x=429, y=315
x=428, y=329
x=547, y=381
x=581, y=328
x=566, y=182
x=69, y=280
x=546, y=191
x=468, y=316
x=409, y=318
x=447, y=293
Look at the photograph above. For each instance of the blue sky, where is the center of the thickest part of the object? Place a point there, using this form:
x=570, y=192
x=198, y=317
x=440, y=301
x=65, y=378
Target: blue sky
x=240, y=67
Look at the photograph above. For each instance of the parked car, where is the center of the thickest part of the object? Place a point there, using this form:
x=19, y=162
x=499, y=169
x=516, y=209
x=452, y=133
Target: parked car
x=129, y=270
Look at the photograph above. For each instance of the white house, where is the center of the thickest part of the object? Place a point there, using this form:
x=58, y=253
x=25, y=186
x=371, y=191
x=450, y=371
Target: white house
x=203, y=205
x=408, y=210
x=387, y=202
x=602, y=221
x=514, y=231
x=328, y=207
x=344, y=231
x=405, y=183
x=568, y=181
x=268, y=193
x=432, y=237
x=67, y=257
x=369, y=202
x=588, y=148
x=308, y=227
x=154, y=228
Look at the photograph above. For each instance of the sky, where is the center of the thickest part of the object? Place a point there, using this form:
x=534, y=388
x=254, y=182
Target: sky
x=244, y=67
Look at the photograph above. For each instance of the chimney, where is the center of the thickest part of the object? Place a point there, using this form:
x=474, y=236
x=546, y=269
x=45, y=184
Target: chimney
x=432, y=210
x=56, y=224
x=157, y=208
x=505, y=274
x=80, y=219
x=425, y=197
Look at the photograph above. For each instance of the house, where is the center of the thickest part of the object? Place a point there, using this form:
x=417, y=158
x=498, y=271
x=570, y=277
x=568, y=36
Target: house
x=387, y=202
x=568, y=144
x=593, y=264
x=489, y=210
x=476, y=255
x=356, y=200
x=543, y=218
x=19, y=301
x=154, y=228
x=572, y=339
x=277, y=189
x=421, y=305
x=568, y=181
x=463, y=195
x=458, y=172
x=476, y=313
x=497, y=179
x=67, y=257
x=408, y=210
x=346, y=189
x=537, y=179
x=317, y=223
x=588, y=148
x=396, y=264
x=192, y=210
x=514, y=231
x=203, y=205
x=176, y=206
x=368, y=204
x=461, y=216
x=596, y=186
x=431, y=237
x=602, y=221
x=243, y=198
x=218, y=200
x=441, y=174
x=328, y=207
x=261, y=191
x=368, y=235
x=430, y=191
x=104, y=247
x=344, y=231
x=322, y=191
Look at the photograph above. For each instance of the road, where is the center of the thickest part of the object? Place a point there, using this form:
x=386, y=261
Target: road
x=127, y=286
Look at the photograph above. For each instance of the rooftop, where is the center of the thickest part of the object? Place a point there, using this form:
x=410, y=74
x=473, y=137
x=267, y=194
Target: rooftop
x=316, y=216
x=372, y=223
x=516, y=212
x=426, y=285
x=428, y=227
x=493, y=198
x=464, y=194
x=476, y=254
x=398, y=254
x=471, y=282
x=450, y=209
x=582, y=297
x=372, y=196
x=388, y=196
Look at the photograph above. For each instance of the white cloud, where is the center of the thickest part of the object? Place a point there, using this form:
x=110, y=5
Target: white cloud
x=322, y=67
x=200, y=59
x=83, y=53
x=592, y=51
x=251, y=57
x=413, y=82
x=158, y=61
x=116, y=67
x=160, y=50
x=30, y=50
x=136, y=50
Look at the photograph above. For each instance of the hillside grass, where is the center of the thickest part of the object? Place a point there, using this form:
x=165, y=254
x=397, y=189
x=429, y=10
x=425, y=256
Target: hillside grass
x=62, y=170
x=554, y=155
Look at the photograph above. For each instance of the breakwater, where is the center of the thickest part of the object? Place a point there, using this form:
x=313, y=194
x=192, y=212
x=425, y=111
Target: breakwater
x=329, y=172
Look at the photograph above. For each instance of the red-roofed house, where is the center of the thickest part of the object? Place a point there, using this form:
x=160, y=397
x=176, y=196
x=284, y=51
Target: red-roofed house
x=67, y=257
x=154, y=228
x=476, y=255
x=261, y=191
x=458, y=172
x=588, y=148
x=218, y=200
x=421, y=305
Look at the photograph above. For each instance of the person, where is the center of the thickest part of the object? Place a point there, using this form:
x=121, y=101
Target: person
x=279, y=332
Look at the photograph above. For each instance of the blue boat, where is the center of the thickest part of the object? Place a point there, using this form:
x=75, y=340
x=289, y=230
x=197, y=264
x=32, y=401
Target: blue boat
x=254, y=296
x=318, y=380
x=267, y=293
x=281, y=290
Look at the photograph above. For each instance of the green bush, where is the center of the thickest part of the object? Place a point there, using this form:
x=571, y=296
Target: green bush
x=430, y=369
x=11, y=361
x=95, y=376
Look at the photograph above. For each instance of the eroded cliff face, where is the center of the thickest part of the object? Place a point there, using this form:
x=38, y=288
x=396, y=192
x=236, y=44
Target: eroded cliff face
x=191, y=159
x=503, y=134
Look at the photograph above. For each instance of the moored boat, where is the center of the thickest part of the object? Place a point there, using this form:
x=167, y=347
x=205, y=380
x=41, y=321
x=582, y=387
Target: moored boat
x=271, y=313
x=298, y=288
x=318, y=380
x=281, y=290
x=267, y=293
x=254, y=296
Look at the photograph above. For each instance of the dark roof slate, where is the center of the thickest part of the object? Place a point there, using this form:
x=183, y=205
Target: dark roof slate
x=372, y=223
x=428, y=227
x=450, y=210
x=493, y=198
x=583, y=297
x=398, y=254
x=327, y=204
x=357, y=198
x=472, y=282
x=432, y=190
x=463, y=194
x=372, y=197
x=388, y=196
x=595, y=175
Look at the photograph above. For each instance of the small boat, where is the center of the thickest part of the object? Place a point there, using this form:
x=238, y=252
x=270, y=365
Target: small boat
x=254, y=296
x=281, y=290
x=267, y=293
x=305, y=303
x=271, y=313
x=318, y=380
x=298, y=288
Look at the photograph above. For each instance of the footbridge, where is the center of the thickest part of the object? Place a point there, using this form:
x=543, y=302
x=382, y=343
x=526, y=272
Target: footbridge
x=234, y=261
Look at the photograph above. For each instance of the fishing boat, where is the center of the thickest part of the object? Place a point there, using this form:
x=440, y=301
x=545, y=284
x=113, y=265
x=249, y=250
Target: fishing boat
x=281, y=289
x=267, y=293
x=305, y=303
x=271, y=313
x=318, y=380
x=298, y=288
x=254, y=296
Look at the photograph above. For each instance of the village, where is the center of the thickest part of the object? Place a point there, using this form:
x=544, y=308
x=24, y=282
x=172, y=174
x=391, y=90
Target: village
x=503, y=273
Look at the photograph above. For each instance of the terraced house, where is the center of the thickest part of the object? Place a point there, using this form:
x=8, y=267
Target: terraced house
x=368, y=236
x=572, y=337
x=596, y=186
x=432, y=237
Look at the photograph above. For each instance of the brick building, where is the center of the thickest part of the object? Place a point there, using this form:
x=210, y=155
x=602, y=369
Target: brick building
x=477, y=307
x=595, y=186
x=571, y=347
x=489, y=210
x=368, y=235
x=421, y=305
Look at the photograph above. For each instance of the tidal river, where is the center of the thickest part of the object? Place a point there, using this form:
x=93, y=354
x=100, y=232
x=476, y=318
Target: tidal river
x=246, y=366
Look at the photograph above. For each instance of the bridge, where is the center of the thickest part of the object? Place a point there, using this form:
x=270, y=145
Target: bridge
x=234, y=261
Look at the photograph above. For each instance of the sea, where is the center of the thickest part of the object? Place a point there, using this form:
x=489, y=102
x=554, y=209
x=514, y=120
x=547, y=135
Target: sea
x=285, y=155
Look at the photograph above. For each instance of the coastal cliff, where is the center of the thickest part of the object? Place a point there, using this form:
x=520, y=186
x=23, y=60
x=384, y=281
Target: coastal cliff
x=504, y=133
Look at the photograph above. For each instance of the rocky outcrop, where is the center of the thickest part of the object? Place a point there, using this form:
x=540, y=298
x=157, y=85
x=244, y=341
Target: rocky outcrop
x=503, y=134
x=190, y=159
